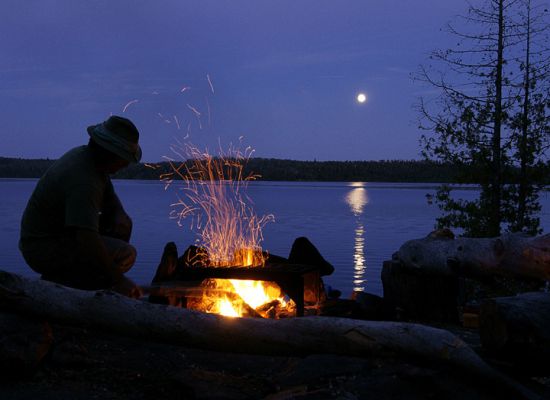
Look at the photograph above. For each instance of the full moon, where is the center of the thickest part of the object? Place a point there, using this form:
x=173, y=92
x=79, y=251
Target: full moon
x=361, y=97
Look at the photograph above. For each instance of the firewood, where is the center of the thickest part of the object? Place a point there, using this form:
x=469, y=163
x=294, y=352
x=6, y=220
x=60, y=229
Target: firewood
x=304, y=252
x=168, y=264
x=517, y=327
x=515, y=255
x=166, y=272
x=112, y=312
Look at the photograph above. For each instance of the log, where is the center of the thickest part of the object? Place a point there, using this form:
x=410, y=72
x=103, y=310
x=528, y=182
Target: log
x=414, y=295
x=112, y=312
x=515, y=255
x=23, y=344
x=517, y=328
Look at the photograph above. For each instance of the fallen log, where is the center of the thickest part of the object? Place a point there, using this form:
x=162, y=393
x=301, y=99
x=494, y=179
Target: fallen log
x=112, y=312
x=417, y=296
x=517, y=328
x=23, y=344
x=514, y=255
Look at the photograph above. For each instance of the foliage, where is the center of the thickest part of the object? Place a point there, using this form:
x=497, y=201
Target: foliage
x=484, y=120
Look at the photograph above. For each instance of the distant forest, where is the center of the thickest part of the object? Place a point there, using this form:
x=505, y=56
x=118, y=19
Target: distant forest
x=271, y=169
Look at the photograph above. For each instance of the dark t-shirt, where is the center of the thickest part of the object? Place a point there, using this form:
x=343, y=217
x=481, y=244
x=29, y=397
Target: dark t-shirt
x=70, y=194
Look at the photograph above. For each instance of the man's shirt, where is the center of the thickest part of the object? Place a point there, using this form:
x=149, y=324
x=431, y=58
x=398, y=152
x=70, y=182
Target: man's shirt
x=70, y=194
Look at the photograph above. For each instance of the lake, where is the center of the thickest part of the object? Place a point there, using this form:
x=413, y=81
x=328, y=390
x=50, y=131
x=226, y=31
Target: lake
x=355, y=226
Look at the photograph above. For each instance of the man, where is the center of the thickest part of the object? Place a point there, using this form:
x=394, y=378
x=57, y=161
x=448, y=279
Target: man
x=74, y=230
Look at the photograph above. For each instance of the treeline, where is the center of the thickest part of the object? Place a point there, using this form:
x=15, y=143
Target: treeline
x=271, y=169
x=364, y=171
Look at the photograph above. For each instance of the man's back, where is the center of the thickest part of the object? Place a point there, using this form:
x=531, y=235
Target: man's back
x=69, y=194
x=61, y=238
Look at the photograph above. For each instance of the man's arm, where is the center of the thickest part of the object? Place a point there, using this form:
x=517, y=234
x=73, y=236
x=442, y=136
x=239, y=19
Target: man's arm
x=115, y=221
x=96, y=259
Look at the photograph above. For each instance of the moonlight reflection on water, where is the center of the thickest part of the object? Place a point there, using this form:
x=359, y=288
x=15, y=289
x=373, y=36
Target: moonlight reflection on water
x=357, y=198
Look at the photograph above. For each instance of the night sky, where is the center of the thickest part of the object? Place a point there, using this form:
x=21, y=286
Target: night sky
x=283, y=74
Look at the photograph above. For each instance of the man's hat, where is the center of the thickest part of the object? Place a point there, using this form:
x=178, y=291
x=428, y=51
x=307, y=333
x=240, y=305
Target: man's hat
x=118, y=135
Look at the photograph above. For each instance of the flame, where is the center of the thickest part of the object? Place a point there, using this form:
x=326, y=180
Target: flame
x=214, y=196
x=239, y=298
x=225, y=307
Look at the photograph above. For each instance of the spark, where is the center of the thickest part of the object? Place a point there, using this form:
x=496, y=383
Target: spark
x=195, y=111
x=197, y=114
x=129, y=104
x=185, y=88
x=188, y=130
x=154, y=92
x=214, y=195
x=152, y=166
x=210, y=83
x=208, y=109
x=177, y=122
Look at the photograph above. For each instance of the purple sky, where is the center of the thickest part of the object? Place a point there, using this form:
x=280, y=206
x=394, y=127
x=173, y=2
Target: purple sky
x=285, y=73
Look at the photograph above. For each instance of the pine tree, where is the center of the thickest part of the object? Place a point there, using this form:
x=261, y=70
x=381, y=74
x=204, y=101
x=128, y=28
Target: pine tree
x=477, y=124
x=529, y=124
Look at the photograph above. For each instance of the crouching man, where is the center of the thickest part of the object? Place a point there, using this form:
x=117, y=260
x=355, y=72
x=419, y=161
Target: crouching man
x=74, y=230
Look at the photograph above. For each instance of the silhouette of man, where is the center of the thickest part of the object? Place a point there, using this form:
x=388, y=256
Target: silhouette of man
x=74, y=230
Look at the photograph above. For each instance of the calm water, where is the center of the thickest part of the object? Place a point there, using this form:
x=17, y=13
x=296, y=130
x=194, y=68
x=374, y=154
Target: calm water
x=355, y=226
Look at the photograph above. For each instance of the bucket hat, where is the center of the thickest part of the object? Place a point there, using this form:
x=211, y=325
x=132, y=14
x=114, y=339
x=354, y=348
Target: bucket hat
x=119, y=136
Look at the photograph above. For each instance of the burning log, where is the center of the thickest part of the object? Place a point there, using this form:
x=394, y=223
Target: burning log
x=112, y=312
x=301, y=282
x=513, y=255
x=517, y=327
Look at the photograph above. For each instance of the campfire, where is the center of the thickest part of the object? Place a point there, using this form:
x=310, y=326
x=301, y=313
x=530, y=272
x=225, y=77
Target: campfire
x=229, y=273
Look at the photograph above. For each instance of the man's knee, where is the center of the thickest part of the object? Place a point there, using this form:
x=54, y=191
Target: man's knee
x=122, y=253
x=126, y=258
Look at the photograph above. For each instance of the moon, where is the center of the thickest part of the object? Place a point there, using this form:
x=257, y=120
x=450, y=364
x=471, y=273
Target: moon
x=361, y=98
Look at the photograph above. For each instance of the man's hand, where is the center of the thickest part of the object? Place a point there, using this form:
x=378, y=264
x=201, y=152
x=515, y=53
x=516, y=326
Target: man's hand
x=127, y=287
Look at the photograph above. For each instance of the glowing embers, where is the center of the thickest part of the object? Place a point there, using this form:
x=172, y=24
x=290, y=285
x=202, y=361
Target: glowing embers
x=242, y=298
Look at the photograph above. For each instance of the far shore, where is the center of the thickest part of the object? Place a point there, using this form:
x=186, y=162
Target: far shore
x=270, y=169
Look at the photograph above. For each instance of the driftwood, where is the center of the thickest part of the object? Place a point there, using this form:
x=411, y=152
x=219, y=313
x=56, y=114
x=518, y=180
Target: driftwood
x=514, y=255
x=23, y=344
x=419, y=296
x=111, y=312
x=517, y=327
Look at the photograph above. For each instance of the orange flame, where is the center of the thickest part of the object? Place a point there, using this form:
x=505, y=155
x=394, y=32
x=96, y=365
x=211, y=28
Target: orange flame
x=238, y=298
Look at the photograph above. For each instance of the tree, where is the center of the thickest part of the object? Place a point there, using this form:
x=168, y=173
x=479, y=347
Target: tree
x=469, y=124
x=529, y=124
